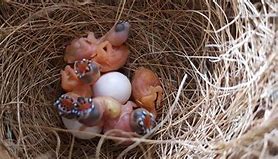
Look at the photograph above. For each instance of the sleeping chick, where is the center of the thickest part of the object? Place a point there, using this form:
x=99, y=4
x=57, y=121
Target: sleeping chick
x=146, y=89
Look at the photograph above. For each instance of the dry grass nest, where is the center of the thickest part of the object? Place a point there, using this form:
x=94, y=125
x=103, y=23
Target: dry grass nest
x=217, y=61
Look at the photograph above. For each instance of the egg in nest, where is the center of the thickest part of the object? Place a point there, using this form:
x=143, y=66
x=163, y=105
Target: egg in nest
x=115, y=85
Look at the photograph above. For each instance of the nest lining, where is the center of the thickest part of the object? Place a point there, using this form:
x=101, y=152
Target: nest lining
x=216, y=62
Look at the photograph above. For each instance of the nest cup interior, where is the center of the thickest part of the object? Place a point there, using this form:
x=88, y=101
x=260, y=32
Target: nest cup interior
x=172, y=38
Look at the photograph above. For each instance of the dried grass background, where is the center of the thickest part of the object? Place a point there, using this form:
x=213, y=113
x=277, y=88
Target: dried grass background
x=217, y=61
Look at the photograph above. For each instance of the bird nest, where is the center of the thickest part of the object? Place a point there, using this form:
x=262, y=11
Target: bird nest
x=217, y=61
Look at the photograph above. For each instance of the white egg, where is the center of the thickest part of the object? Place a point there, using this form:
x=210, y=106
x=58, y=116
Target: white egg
x=73, y=124
x=115, y=85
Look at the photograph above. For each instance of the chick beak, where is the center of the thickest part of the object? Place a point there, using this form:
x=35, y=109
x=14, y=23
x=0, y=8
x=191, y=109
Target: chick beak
x=83, y=105
x=87, y=71
x=65, y=105
x=147, y=121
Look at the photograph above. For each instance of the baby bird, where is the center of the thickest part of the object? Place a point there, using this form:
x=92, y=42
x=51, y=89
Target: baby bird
x=73, y=108
x=146, y=89
x=130, y=123
x=108, y=51
x=80, y=78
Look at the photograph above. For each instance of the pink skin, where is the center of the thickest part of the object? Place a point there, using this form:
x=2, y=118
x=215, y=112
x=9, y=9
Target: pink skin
x=69, y=79
x=110, y=58
x=82, y=48
x=123, y=121
x=121, y=124
x=85, y=48
x=71, y=83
